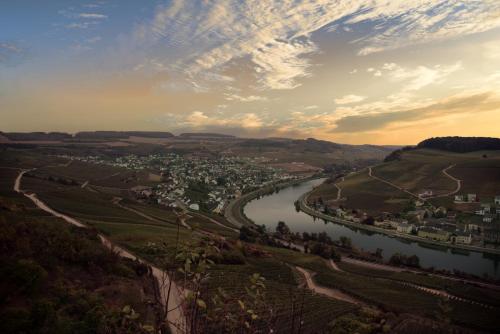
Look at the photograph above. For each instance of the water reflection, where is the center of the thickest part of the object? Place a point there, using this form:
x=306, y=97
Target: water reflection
x=270, y=209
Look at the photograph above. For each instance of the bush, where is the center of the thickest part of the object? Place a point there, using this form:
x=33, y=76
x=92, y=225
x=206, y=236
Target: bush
x=18, y=320
x=27, y=275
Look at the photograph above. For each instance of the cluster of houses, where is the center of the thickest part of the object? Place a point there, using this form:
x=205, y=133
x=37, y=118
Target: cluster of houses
x=465, y=198
x=196, y=180
x=437, y=224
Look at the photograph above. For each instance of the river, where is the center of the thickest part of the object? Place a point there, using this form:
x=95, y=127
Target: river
x=270, y=209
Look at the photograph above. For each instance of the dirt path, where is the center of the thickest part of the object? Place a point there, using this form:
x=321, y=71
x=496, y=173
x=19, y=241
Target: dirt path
x=370, y=174
x=217, y=223
x=334, y=266
x=385, y=267
x=175, y=316
x=116, y=201
x=459, y=183
x=332, y=293
x=339, y=190
x=184, y=207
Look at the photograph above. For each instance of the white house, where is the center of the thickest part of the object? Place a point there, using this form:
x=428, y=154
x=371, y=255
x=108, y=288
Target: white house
x=463, y=238
x=405, y=228
x=471, y=197
x=488, y=218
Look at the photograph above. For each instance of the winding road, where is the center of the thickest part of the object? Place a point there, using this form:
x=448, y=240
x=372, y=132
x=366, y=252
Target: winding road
x=175, y=315
x=459, y=183
x=339, y=190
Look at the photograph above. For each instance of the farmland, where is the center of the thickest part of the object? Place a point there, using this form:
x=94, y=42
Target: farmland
x=418, y=170
x=359, y=191
x=155, y=233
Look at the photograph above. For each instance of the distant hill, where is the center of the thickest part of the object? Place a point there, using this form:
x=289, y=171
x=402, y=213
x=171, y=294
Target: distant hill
x=461, y=144
x=309, y=144
x=204, y=135
x=36, y=136
x=319, y=153
x=121, y=134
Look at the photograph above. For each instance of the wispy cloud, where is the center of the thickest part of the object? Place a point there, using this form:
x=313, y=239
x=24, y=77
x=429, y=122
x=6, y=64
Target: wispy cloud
x=276, y=36
x=249, y=98
x=450, y=106
x=200, y=120
x=420, y=76
x=348, y=99
x=11, y=53
x=92, y=16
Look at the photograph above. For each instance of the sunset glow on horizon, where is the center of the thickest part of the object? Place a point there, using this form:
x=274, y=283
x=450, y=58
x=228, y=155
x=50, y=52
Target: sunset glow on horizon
x=348, y=71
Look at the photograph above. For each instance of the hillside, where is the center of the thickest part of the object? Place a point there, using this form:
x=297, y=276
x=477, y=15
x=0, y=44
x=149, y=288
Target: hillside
x=415, y=171
x=312, y=152
x=203, y=252
x=121, y=134
x=60, y=279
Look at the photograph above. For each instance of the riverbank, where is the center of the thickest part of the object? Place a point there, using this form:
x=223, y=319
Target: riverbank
x=234, y=210
x=310, y=211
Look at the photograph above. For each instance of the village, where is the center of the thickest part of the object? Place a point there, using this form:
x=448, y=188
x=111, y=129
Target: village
x=480, y=227
x=193, y=181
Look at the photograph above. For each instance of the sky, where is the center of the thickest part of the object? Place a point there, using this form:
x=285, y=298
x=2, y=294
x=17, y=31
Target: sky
x=349, y=71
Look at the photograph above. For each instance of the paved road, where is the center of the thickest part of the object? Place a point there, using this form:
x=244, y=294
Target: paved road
x=175, y=316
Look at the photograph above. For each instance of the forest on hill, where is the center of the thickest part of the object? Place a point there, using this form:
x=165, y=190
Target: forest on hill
x=461, y=144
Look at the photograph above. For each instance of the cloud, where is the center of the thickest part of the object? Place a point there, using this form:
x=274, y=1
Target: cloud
x=348, y=99
x=421, y=76
x=403, y=23
x=417, y=77
x=11, y=53
x=200, y=120
x=450, y=106
x=249, y=98
x=275, y=36
x=491, y=50
x=81, y=25
x=92, y=16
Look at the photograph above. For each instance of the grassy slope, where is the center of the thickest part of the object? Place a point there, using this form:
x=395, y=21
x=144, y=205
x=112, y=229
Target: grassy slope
x=418, y=170
x=365, y=193
x=421, y=169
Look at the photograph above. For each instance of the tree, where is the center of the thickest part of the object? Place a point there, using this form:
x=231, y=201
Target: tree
x=396, y=259
x=345, y=242
x=413, y=261
x=282, y=228
x=246, y=234
x=369, y=220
